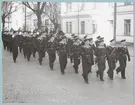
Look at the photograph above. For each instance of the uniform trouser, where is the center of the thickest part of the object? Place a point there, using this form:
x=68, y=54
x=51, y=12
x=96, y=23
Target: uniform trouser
x=21, y=46
x=15, y=54
x=121, y=68
x=63, y=62
x=86, y=67
x=8, y=46
x=34, y=52
x=76, y=62
x=71, y=58
x=4, y=45
x=41, y=55
x=52, y=58
x=24, y=50
x=112, y=66
x=28, y=54
x=101, y=68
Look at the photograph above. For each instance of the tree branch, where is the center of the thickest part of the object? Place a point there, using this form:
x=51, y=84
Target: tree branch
x=28, y=5
x=43, y=6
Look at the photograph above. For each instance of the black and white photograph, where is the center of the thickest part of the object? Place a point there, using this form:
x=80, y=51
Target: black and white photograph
x=67, y=52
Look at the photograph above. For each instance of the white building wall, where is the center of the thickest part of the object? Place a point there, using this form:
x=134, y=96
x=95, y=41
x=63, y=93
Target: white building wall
x=100, y=13
x=124, y=12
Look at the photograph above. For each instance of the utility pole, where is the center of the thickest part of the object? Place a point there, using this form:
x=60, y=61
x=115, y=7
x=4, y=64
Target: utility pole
x=115, y=20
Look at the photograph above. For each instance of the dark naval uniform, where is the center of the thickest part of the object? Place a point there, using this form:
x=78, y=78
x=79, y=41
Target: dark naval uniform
x=40, y=49
x=29, y=48
x=75, y=50
x=51, y=50
x=62, y=52
x=122, y=57
x=111, y=59
x=15, y=45
x=101, y=59
x=24, y=45
x=87, y=61
x=21, y=43
x=69, y=46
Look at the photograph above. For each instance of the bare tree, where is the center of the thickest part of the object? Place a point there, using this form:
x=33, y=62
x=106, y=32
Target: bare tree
x=7, y=9
x=53, y=13
x=37, y=8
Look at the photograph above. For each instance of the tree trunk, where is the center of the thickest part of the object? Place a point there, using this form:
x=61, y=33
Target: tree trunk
x=39, y=22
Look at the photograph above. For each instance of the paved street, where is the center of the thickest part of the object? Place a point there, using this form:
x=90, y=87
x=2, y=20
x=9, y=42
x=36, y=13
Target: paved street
x=29, y=82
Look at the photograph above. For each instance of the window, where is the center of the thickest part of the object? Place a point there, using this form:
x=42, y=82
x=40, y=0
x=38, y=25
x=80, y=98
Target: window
x=127, y=26
x=66, y=27
x=70, y=27
x=82, y=27
x=127, y=3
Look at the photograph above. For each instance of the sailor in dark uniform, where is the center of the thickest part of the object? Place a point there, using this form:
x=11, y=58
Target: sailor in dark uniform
x=101, y=59
x=24, y=43
x=51, y=50
x=40, y=49
x=29, y=46
x=10, y=41
x=4, y=38
x=20, y=41
x=123, y=55
x=34, y=42
x=76, y=53
x=62, y=52
x=111, y=58
x=87, y=58
x=69, y=46
x=97, y=41
x=15, y=45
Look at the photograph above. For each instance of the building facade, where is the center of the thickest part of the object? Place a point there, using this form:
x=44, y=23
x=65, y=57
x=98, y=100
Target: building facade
x=125, y=21
x=91, y=18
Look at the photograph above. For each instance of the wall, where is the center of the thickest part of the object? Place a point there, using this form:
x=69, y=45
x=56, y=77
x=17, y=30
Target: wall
x=124, y=12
